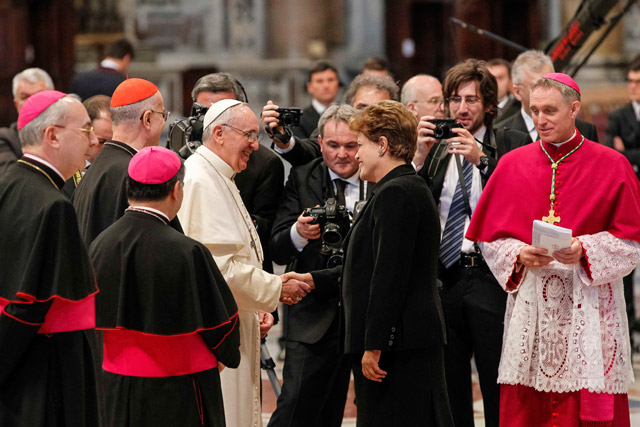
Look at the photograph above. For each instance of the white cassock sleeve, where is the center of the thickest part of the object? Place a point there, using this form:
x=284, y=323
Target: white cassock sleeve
x=210, y=215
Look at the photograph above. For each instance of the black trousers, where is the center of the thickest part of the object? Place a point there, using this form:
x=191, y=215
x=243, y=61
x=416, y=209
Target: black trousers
x=474, y=306
x=412, y=394
x=316, y=381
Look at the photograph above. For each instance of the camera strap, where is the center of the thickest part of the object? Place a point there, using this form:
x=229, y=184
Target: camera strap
x=465, y=194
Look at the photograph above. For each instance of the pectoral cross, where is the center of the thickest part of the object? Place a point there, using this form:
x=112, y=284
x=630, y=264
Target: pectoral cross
x=552, y=218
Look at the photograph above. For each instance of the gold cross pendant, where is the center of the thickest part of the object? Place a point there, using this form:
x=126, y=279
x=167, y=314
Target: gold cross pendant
x=552, y=218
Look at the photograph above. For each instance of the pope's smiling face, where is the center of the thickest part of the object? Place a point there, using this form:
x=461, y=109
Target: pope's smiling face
x=237, y=146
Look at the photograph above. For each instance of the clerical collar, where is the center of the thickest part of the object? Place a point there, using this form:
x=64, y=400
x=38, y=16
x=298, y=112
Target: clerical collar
x=353, y=179
x=636, y=108
x=558, y=144
x=479, y=135
x=109, y=63
x=318, y=106
x=220, y=165
x=558, y=150
x=44, y=162
x=150, y=211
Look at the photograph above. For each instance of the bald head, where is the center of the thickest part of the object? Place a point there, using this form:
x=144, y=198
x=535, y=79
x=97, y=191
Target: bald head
x=422, y=95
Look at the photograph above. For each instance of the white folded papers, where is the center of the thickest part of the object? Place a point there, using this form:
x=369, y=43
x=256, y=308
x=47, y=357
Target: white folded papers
x=550, y=237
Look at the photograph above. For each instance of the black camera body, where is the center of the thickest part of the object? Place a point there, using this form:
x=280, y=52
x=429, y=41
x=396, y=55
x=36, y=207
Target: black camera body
x=289, y=117
x=185, y=135
x=443, y=128
x=334, y=223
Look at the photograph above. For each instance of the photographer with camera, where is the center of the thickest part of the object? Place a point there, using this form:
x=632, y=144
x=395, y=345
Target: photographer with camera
x=316, y=377
x=456, y=170
x=365, y=89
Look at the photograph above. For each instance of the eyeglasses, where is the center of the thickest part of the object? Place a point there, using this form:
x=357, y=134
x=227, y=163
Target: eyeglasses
x=251, y=136
x=165, y=114
x=469, y=100
x=86, y=130
x=633, y=82
x=432, y=101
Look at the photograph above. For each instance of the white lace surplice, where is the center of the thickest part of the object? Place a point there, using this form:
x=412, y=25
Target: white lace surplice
x=563, y=331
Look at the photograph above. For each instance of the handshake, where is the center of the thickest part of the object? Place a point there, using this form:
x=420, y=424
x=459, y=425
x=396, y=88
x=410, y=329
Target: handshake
x=295, y=286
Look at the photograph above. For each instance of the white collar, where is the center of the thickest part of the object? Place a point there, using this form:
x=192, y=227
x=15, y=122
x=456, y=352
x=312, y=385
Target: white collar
x=110, y=63
x=528, y=120
x=318, y=106
x=155, y=211
x=558, y=144
x=221, y=166
x=503, y=102
x=44, y=162
x=479, y=135
x=353, y=179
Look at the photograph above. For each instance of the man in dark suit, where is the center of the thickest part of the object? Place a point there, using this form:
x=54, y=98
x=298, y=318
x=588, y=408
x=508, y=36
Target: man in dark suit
x=623, y=134
x=528, y=67
x=260, y=184
x=24, y=84
x=507, y=103
x=365, y=89
x=473, y=301
x=112, y=71
x=316, y=376
x=322, y=85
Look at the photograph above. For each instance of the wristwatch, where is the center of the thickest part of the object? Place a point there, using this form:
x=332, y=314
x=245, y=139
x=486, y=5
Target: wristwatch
x=484, y=162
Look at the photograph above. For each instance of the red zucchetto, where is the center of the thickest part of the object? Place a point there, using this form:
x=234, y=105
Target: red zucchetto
x=36, y=104
x=154, y=165
x=131, y=91
x=564, y=79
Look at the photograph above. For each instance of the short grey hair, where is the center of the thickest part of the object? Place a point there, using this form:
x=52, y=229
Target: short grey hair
x=132, y=112
x=227, y=116
x=569, y=94
x=381, y=83
x=56, y=114
x=33, y=76
x=534, y=60
x=218, y=82
x=341, y=113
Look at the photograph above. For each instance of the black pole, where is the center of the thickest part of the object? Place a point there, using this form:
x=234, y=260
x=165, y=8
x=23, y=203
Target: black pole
x=488, y=34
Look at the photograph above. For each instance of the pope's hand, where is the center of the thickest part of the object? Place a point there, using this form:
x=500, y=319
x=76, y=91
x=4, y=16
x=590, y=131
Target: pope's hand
x=294, y=289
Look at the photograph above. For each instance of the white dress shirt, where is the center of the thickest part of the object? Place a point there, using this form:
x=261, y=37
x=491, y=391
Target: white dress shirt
x=528, y=121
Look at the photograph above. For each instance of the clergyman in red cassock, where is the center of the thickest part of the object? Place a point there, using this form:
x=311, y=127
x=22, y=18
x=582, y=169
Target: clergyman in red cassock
x=566, y=354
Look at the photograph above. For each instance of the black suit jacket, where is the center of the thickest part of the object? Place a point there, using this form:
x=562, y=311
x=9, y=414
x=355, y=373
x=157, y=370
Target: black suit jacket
x=308, y=123
x=588, y=130
x=307, y=186
x=389, y=291
x=511, y=107
x=623, y=123
x=434, y=169
x=101, y=81
x=260, y=186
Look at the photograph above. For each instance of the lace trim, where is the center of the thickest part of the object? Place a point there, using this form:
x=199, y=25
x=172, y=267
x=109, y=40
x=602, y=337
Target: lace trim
x=563, y=331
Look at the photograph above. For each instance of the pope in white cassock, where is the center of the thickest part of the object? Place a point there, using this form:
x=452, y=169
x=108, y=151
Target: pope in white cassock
x=212, y=212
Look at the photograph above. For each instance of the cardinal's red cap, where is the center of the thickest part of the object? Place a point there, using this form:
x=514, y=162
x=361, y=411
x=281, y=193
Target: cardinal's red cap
x=36, y=104
x=154, y=165
x=131, y=91
x=564, y=79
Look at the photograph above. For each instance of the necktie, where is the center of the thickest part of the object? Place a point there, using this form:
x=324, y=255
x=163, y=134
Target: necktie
x=454, y=228
x=340, y=187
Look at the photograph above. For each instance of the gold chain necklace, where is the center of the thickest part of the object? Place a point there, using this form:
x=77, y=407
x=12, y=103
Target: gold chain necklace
x=552, y=218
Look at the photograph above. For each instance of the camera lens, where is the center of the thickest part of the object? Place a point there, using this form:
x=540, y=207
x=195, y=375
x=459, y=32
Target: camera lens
x=335, y=260
x=438, y=132
x=331, y=234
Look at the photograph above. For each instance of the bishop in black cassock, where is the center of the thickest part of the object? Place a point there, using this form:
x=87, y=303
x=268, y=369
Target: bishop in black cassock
x=167, y=315
x=47, y=288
